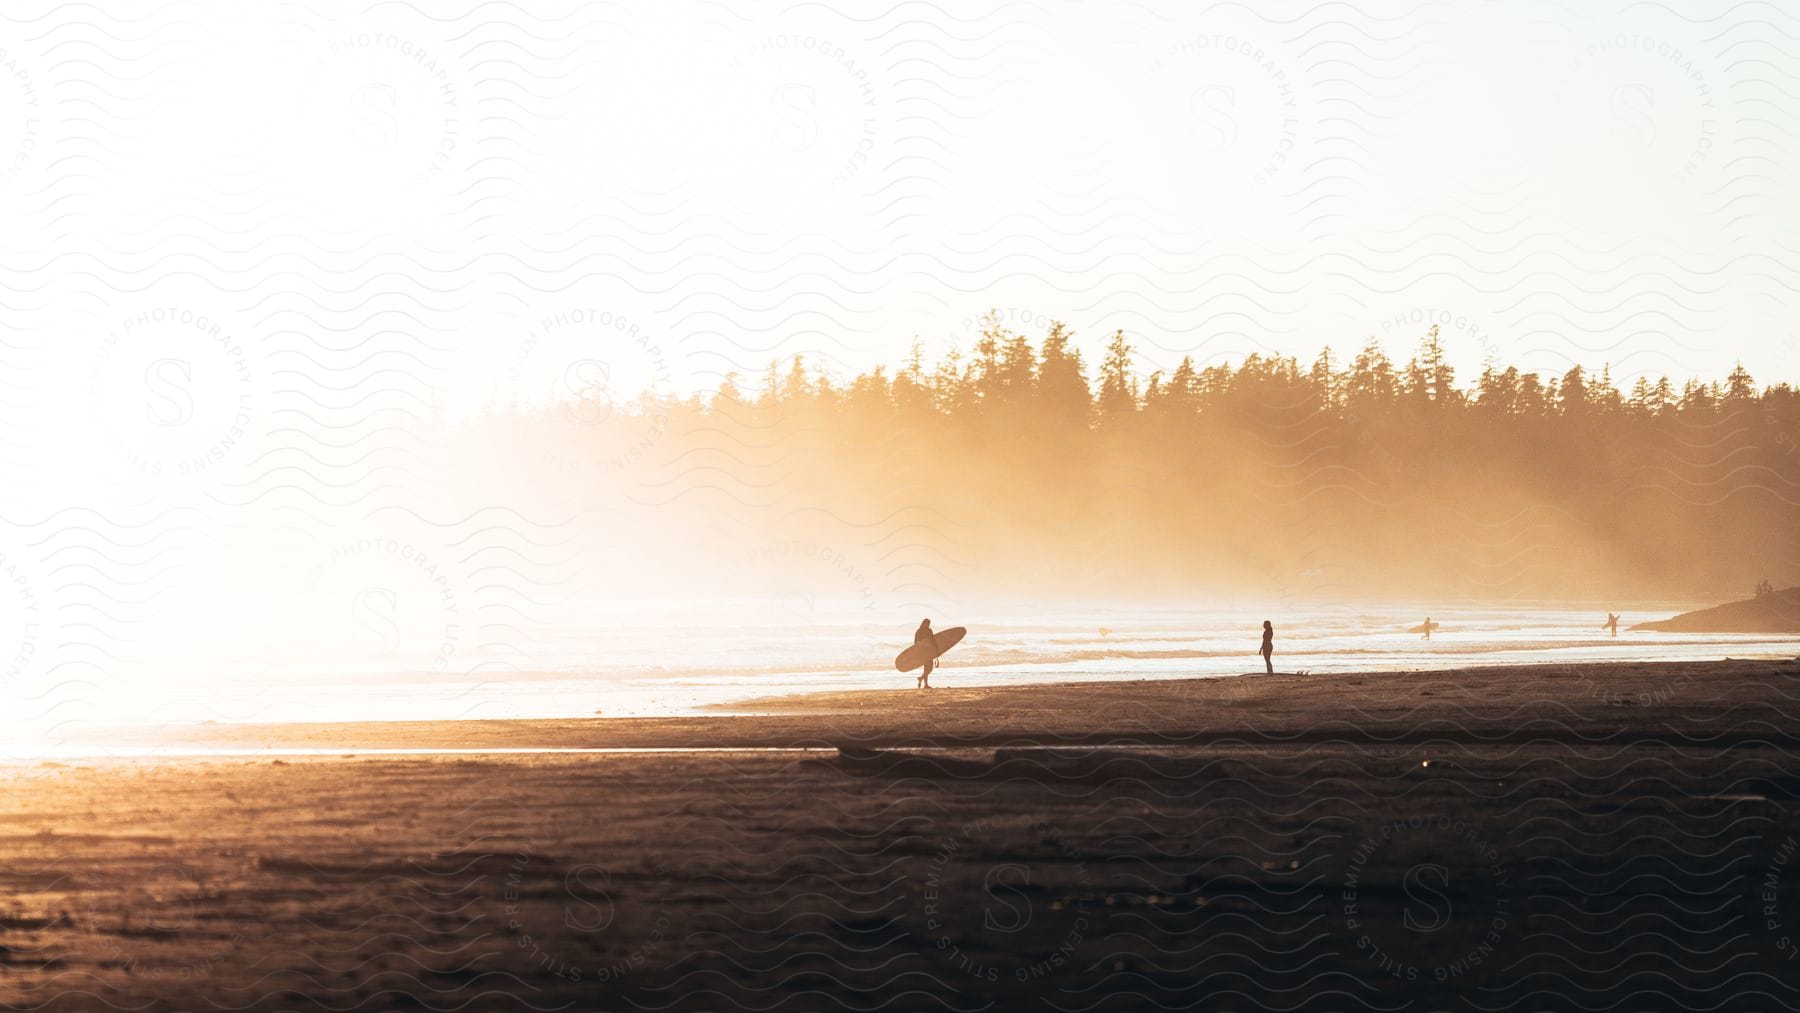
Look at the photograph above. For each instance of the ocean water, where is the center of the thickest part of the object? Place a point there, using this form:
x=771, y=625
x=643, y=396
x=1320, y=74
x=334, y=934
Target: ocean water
x=663, y=658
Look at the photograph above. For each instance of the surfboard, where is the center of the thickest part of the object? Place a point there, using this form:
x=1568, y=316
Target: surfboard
x=916, y=655
x=1421, y=628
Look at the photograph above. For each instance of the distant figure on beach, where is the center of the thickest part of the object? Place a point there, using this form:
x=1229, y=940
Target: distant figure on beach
x=1427, y=628
x=1764, y=588
x=1611, y=623
x=924, y=635
x=1268, y=646
x=928, y=645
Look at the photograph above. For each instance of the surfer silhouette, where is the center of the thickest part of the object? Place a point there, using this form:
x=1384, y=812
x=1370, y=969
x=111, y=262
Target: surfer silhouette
x=924, y=635
x=1612, y=623
x=1268, y=646
x=1427, y=628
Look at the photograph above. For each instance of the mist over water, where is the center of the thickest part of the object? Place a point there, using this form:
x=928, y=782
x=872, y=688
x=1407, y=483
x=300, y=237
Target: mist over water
x=648, y=657
x=650, y=556
x=609, y=546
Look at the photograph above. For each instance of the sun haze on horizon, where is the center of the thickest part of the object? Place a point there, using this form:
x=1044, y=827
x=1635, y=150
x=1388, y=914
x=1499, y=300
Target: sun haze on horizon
x=342, y=334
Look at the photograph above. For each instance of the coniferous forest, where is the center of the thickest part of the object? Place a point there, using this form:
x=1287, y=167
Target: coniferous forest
x=1021, y=467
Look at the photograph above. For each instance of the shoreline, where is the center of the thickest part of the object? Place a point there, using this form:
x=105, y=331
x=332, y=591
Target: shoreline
x=1575, y=700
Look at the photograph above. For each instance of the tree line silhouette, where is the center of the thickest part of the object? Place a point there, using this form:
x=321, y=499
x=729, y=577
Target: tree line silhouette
x=1265, y=476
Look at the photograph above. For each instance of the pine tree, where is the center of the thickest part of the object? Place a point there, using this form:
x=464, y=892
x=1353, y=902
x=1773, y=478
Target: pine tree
x=915, y=361
x=1573, y=398
x=770, y=394
x=728, y=394
x=950, y=391
x=1503, y=390
x=1663, y=395
x=1440, y=377
x=986, y=361
x=868, y=393
x=1153, y=392
x=1602, y=394
x=1739, y=385
x=1535, y=396
x=1695, y=397
x=1181, y=392
x=1118, y=393
x=1371, y=386
x=1018, y=367
x=794, y=388
x=1062, y=380
x=1325, y=381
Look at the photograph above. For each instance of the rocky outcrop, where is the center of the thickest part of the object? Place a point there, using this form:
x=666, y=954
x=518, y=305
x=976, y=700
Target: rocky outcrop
x=1776, y=612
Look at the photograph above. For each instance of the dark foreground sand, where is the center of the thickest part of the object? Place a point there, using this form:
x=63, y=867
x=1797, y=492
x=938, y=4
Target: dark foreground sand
x=1556, y=837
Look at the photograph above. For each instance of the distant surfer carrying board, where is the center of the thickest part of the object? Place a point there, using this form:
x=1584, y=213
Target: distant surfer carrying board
x=925, y=636
x=928, y=645
x=1611, y=623
x=1268, y=646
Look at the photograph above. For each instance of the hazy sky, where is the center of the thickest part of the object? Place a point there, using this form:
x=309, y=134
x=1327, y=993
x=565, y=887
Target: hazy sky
x=425, y=197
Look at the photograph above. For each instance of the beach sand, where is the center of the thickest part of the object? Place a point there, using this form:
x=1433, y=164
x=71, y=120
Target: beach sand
x=1549, y=837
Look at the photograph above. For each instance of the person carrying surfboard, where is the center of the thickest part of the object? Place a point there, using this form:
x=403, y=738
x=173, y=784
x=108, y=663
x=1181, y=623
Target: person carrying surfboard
x=928, y=645
x=1612, y=623
x=924, y=635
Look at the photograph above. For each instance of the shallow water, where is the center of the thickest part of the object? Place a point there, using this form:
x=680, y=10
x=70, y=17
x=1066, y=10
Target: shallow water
x=648, y=659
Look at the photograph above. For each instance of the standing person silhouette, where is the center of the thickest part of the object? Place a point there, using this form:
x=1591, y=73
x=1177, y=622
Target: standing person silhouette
x=1267, y=650
x=925, y=636
x=1611, y=623
x=1427, y=635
